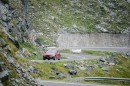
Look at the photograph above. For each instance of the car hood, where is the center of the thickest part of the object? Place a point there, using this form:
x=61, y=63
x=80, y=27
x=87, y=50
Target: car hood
x=50, y=54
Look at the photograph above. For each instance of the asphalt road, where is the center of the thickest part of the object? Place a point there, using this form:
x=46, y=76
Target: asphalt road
x=56, y=83
x=71, y=57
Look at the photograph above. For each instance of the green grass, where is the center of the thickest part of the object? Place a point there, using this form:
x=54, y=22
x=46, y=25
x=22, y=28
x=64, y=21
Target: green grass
x=122, y=66
x=62, y=57
x=92, y=52
x=65, y=51
x=45, y=69
x=121, y=69
x=78, y=14
x=32, y=48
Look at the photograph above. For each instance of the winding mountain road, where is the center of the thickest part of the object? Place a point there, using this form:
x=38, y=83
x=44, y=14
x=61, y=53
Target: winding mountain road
x=72, y=57
x=57, y=83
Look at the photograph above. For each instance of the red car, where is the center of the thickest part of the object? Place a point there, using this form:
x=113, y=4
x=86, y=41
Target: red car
x=52, y=54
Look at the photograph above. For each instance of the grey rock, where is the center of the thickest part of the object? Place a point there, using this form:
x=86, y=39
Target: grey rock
x=8, y=14
x=35, y=70
x=4, y=74
x=54, y=70
x=111, y=64
x=128, y=1
x=2, y=63
x=111, y=60
x=5, y=25
x=13, y=83
x=35, y=53
x=4, y=18
x=81, y=68
x=17, y=81
x=10, y=60
x=12, y=79
x=89, y=68
x=105, y=69
x=72, y=72
x=30, y=69
x=2, y=42
x=127, y=30
x=18, y=71
x=68, y=65
x=1, y=84
x=102, y=60
x=61, y=75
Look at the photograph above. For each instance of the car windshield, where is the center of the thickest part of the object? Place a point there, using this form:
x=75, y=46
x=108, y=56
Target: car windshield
x=51, y=51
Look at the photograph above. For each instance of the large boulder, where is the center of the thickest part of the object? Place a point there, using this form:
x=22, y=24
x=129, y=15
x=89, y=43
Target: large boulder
x=72, y=72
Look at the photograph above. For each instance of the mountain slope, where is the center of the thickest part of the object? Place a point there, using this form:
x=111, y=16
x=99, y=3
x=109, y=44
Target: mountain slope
x=79, y=16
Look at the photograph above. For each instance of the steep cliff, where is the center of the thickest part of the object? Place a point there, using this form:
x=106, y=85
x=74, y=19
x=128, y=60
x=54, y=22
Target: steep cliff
x=12, y=30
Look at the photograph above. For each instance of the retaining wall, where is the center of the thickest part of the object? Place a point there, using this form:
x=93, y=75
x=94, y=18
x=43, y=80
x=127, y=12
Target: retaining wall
x=94, y=40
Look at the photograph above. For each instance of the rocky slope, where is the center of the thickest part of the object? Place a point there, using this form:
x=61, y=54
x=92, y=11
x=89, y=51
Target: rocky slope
x=49, y=17
x=79, y=16
x=12, y=73
x=12, y=30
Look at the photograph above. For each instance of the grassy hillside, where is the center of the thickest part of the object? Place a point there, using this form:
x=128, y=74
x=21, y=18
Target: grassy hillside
x=79, y=16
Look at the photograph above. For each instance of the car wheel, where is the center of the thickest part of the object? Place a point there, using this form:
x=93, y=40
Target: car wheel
x=54, y=58
x=48, y=58
x=44, y=58
x=58, y=58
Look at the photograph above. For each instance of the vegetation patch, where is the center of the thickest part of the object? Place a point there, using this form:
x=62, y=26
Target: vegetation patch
x=35, y=52
x=45, y=69
x=65, y=51
x=92, y=52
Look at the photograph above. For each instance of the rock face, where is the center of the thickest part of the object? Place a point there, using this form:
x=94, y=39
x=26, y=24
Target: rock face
x=14, y=24
x=12, y=73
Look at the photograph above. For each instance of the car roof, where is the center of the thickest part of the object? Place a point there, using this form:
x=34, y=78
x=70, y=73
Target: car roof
x=51, y=51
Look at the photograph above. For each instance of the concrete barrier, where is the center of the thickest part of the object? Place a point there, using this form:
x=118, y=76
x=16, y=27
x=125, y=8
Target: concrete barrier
x=93, y=40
